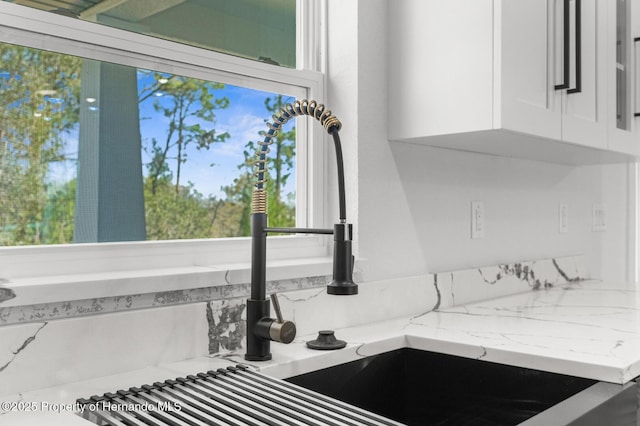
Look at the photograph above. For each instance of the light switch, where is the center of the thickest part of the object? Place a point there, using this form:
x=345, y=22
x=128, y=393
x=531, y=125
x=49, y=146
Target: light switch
x=599, y=218
x=563, y=218
x=477, y=219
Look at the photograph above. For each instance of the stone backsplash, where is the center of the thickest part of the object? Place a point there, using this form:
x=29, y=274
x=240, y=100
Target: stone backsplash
x=52, y=344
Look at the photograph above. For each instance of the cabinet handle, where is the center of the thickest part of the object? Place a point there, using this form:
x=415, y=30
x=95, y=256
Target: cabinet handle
x=567, y=48
x=578, y=29
x=565, y=52
x=637, y=70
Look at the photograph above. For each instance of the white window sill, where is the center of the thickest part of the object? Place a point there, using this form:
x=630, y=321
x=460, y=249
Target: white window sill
x=82, y=286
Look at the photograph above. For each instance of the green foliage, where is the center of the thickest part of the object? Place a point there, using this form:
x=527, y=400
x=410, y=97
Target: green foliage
x=36, y=109
x=285, y=144
x=239, y=196
x=281, y=206
x=281, y=162
x=172, y=216
x=182, y=100
x=40, y=93
x=185, y=214
x=59, y=213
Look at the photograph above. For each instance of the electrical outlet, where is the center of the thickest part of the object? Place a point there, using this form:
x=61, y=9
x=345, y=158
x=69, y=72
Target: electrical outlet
x=599, y=218
x=563, y=218
x=477, y=219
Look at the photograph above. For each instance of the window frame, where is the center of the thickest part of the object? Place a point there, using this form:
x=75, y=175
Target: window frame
x=43, y=30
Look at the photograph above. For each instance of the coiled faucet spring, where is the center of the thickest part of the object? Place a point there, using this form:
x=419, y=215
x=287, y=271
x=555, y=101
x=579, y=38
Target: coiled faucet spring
x=289, y=111
x=261, y=328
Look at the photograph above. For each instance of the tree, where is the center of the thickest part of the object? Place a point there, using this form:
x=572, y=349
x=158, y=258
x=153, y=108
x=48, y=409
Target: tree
x=39, y=93
x=280, y=165
x=171, y=217
x=59, y=213
x=285, y=145
x=188, y=104
x=238, y=207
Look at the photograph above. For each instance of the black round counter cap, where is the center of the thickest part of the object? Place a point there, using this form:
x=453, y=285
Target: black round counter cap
x=326, y=341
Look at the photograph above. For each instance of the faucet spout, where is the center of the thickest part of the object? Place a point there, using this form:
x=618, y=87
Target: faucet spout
x=261, y=328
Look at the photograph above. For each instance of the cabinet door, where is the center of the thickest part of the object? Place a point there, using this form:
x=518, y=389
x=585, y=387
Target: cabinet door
x=440, y=67
x=525, y=59
x=621, y=76
x=584, y=118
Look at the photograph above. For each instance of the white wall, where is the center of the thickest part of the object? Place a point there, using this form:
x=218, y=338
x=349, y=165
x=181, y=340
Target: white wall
x=521, y=209
x=412, y=203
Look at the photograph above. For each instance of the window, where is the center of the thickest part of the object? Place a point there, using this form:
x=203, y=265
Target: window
x=95, y=151
x=145, y=74
x=263, y=30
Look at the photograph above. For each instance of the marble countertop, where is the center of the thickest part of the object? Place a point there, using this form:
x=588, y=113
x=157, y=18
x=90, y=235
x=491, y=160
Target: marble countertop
x=589, y=329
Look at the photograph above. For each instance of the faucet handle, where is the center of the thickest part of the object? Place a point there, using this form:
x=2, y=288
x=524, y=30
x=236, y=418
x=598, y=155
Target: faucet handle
x=276, y=307
x=281, y=330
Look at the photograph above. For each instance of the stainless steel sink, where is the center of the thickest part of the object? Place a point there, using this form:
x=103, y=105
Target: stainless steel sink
x=424, y=388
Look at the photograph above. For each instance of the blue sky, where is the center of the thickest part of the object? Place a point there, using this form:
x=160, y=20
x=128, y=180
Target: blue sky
x=244, y=119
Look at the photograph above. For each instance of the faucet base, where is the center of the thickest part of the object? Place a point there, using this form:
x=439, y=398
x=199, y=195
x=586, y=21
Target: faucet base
x=257, y=357
x=342, y=289
x=258, y=343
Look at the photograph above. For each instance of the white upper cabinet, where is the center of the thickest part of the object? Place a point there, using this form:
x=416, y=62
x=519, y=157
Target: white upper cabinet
x=622, y=75
x=584, y=118
x=521, y=78
x=524, y=57
x=441, y=66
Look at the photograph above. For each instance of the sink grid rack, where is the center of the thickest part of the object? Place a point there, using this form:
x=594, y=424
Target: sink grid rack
x=233, y=396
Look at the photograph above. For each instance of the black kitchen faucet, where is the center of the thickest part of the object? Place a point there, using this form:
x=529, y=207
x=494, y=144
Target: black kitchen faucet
x=261, y=328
